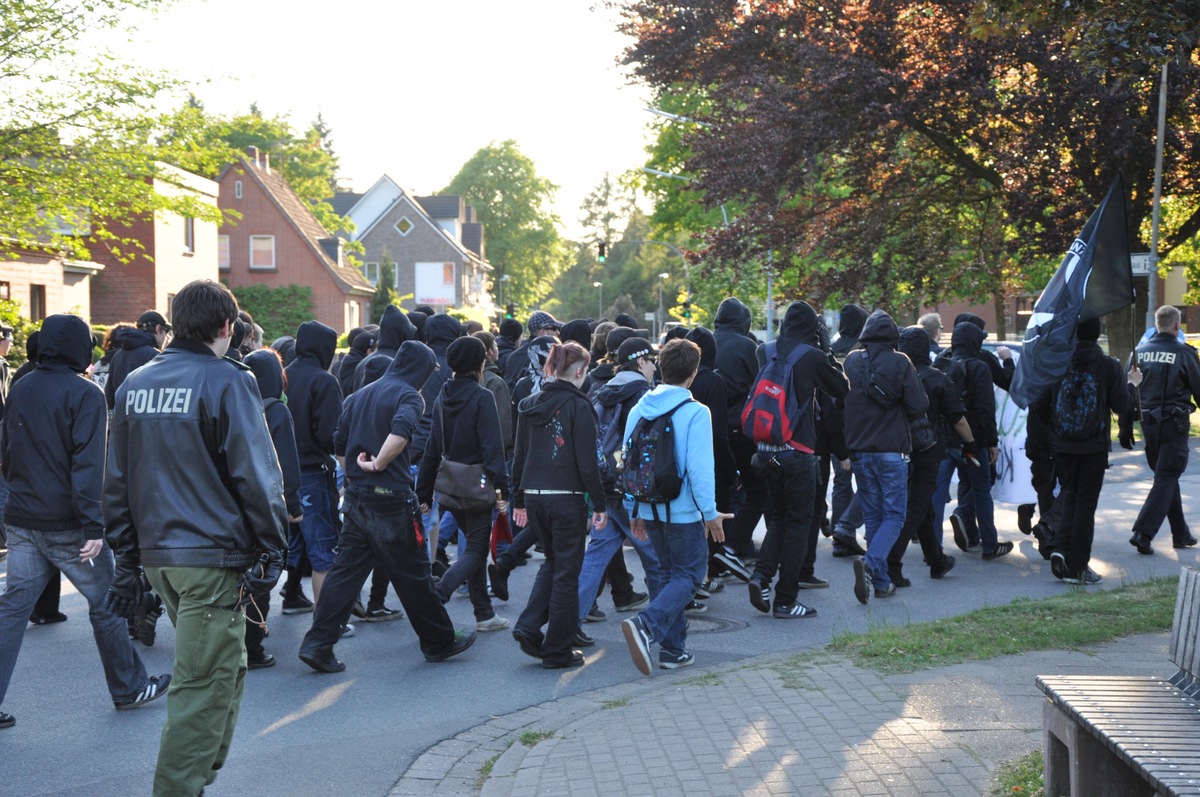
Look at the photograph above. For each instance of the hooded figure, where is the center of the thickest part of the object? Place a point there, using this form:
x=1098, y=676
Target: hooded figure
x=313, y=395
x=1002, y=372
x=625, y=320
x=31, y=358
x=135, y=348
x=736, y=361
x=579, y=331
x=709, y=389
x=850, y=325
x=973, y=379
x=506, y=342
x=268, y=371
x=394, y=328
x=286, y=346
x=440, y=331
x=418, y=320
x=536, y=353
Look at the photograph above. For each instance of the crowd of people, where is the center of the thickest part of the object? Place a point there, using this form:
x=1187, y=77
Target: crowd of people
x=200, y=467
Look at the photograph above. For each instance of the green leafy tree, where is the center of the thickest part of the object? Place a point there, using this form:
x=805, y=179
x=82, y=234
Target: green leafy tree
x=385, y=294
x=279, y=311
x=513, y=203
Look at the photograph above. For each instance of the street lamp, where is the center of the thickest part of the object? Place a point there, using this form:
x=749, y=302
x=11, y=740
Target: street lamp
x=503, y=285
x=661, y=318
x=599, y=286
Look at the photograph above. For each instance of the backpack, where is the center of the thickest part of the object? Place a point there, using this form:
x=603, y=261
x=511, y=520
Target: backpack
x=772, y=412
x=649, y=473
x=608, y=440
x=1078, y=414
x=955, y=372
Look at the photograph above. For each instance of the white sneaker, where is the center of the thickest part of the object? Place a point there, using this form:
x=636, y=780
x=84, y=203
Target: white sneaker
x=494, y=623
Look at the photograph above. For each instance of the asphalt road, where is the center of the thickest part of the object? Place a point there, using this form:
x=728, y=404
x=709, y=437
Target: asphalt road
x=355, y=733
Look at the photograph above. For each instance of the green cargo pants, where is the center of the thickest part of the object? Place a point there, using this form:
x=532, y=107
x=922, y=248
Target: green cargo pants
x=208, y=679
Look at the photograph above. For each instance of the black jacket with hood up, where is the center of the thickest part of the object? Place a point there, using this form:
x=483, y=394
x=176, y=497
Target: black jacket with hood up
x=735, y=360
x=392, y=404
x=709, y=389
x=850, y=326
x=872, y=426
x=314, y=395
x=945, y=405
x=136, y=348
x=268, y=372
x=972, y=377
x=1002, y=372
x=53, y=436
x=440, y=331
x=465, y=419
x=556, y=444
x=1115, y=395
x=394, y=328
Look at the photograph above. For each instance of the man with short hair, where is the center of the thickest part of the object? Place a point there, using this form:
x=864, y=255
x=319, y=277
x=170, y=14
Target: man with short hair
x=52, y=448
x=138, y=347
x=932, y=324
x=678, y=530
x=194, y=492
x=1170, y=385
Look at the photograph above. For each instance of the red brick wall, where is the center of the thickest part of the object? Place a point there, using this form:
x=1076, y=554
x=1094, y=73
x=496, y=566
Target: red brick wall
x=123, y=291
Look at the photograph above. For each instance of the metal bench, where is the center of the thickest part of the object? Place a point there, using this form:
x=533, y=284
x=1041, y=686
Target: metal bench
x=1129, y=736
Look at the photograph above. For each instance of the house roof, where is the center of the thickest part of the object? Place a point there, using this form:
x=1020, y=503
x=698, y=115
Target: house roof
x=301, y=215
x=420, y=210
x=343, y=201
x=442, y=207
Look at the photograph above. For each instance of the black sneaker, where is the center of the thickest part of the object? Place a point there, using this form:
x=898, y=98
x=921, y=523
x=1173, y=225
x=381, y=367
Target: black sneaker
x=960, y=532
x=582, y=639
x=59, y=617
x=1189, y=542
x=297, y=604
x=638, y=639
x=695, y=607
x=847, y=542
x=574, y=660
x=260, y=662
x=595, y=615
x=530, y=645
x=347, y=631
x=1058, y=565
x=637, y=601
x=155, y=688
x=899, y=580
x=708, y=589
x=674, y=661
x=733, y=563
x=862, y=582
x=760, y=596
x=797, y=611
x=462, y=641
x=1142, y=543
x=1088, y=578
x=886, y=592
x=499, y=580
x=812, y=582
x=1003, y=549
x=945, y=567
x=7, y=720
x=322, y=660
x=1025, y=517
x=358, y=610
x=381, y=614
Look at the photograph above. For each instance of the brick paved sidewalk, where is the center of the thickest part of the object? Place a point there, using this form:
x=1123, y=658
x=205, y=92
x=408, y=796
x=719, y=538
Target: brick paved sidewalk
x=776, y=725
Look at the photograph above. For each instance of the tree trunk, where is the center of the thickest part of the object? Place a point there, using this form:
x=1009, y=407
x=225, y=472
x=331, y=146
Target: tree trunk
x=1001, y=306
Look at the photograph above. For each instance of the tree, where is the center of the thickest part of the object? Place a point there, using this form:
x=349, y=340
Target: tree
x=385, y=293
x=279, y=311
x=75, y=134
x=882, y=149
x=513, y=204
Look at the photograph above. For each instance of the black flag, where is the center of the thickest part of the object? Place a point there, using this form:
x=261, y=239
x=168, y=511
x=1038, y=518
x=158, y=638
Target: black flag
x=1094, y=279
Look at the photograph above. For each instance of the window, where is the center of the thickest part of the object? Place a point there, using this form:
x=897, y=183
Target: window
x=404, y=226
x=237, y=189
x=189, y=234
x=37, y=302
x=5, y=291
x=371, y=272
x=262, y=252
x=223, y=252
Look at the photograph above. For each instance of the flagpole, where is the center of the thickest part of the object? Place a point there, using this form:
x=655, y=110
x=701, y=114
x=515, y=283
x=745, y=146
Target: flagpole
x=1152, y=299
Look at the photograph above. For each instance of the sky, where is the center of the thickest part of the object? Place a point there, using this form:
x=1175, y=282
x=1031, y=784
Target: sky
x=414, y=89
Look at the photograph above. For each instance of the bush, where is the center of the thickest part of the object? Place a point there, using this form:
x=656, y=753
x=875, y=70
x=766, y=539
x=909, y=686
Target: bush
x=10, y=313
x=279, y=311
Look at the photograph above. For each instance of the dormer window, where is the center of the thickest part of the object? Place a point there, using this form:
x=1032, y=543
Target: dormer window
x=404, y=226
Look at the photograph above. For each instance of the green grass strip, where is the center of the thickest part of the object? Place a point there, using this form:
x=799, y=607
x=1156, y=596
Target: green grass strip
x=1076, y=619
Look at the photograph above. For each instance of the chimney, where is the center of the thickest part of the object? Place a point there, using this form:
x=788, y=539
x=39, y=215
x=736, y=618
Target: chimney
x=254, y=151
x=267, y=162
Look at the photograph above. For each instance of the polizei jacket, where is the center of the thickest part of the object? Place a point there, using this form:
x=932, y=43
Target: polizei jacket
x=192, y=477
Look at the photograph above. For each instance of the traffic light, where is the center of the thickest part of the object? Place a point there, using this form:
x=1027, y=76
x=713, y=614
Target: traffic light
x=687, y=311
x=508, y=310
x=603, y=256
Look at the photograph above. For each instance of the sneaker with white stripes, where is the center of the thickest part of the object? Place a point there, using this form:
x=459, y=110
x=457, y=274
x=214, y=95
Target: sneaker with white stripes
x=155, y=688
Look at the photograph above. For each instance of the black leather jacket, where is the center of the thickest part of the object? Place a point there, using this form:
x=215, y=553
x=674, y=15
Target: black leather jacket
x=1170, y=376
x=192, y=477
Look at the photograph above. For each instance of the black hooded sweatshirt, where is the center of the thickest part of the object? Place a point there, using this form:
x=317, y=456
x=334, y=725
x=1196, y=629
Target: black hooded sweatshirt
x=556, y=444
x=814, y=371
x=268, y=371
x=1002, y=372
x=850, y=326
x=53, y=436
x=440, y=331
x=709, y=389
x=349, y=363
x=1114, y=393
x=391, y=404
x=137, y=347
x=394, y=329
x=735, y=360
x=313, y=395
x=973, y=379
x=945, y=405
x=870, y=425
x=465, y=419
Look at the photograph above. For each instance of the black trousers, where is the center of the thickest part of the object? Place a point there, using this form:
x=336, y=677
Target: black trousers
x=471, y=567
x=918, y=520
x=1082, y=477
x=791, y=479
x=739, y=533
x=561, y=523
x=384, y=530
x=1167, y=455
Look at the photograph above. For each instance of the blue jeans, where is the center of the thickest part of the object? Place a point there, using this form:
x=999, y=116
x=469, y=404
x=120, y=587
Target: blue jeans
x=683, y=557
x=600, y=549
x=317, y=530
x=981, y=510
x=32, y=557
x=883, y=493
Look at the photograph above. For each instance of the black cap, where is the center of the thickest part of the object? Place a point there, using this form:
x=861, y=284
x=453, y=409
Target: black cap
x=465, y=355
x=151, y=319
x=632, y=349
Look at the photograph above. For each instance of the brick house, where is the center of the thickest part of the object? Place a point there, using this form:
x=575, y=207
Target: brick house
x=436, y=243
x=279, y=242
x=174, y=250
x=45, y=282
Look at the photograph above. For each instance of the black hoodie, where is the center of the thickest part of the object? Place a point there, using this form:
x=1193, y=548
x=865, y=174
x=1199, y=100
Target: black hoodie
x=1002, y=372
x=268, y=371
x=556, y=444
x=871, y=425
x=137, y=347
x=440, y=331
x=53, y=436
x=972, y=378
x=390, y=405
x=945, y=404
x=394, y=329
x=1114, y=395
x=709, y=389
x=736, y=361
x=349, y=363
x=313, y=395
x=466, y=421
x=850, y=326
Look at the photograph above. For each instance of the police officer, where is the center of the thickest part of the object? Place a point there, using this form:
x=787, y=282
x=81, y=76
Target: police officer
x=1170, y=383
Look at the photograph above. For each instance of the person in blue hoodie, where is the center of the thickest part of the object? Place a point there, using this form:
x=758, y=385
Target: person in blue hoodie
x=679, y=534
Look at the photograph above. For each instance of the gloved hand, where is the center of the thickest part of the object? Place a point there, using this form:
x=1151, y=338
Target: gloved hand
x=261, y=577
x=125, y=591
x=1126, y=440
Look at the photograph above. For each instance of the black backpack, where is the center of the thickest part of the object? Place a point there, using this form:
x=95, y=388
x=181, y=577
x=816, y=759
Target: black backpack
x=1078, y=414
x=608, y=440
x=648, y=473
